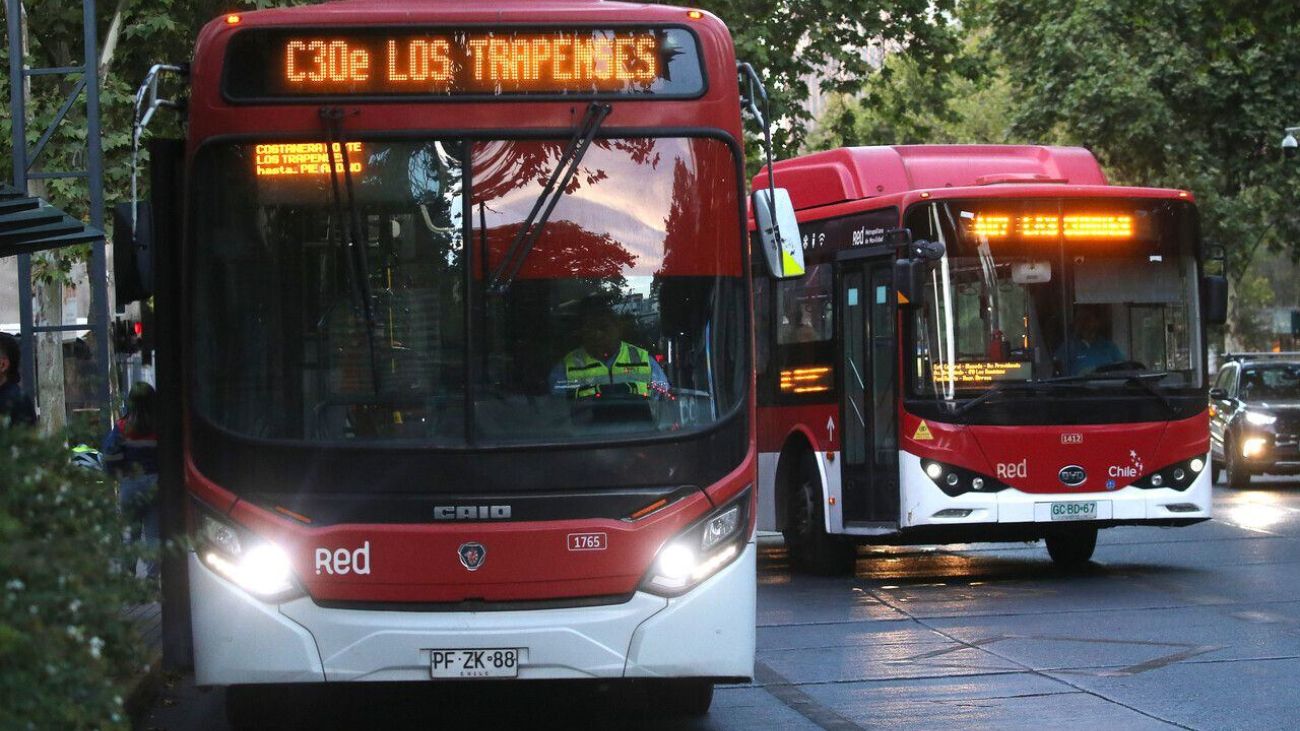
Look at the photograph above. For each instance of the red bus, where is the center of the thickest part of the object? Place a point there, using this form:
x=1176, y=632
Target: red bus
x=990, y=344
x=467, y=358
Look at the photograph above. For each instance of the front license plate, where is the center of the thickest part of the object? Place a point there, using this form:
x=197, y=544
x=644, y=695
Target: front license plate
x=495, y=662
x=1075, y=511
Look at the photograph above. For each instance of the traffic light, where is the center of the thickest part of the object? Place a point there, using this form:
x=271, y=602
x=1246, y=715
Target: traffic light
x=127, y=336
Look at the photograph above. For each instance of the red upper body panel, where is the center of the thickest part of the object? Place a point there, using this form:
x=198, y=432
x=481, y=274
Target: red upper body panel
x=211, y=115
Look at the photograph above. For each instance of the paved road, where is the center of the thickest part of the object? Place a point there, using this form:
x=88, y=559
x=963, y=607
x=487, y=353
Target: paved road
x=1188, y=628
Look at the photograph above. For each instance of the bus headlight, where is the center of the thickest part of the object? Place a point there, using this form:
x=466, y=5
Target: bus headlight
x=701, y=550
x=1179, y=475
x=259, y=567
x=955, y=481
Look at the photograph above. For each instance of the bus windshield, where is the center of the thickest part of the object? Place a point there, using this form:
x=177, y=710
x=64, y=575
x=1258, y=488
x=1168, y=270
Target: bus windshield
x=1086, y=291
x=623, y=319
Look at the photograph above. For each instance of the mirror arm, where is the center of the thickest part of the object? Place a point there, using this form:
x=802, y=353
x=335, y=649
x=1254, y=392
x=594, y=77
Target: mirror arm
x=757, y=91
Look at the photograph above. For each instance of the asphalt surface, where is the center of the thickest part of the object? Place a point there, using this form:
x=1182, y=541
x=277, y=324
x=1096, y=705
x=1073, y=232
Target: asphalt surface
x=1194, y=628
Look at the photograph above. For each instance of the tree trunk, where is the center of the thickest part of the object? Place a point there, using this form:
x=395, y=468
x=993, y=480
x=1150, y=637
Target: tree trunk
x=47, y=306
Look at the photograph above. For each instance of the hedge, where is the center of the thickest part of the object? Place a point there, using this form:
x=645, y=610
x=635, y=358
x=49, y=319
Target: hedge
x=67, y=651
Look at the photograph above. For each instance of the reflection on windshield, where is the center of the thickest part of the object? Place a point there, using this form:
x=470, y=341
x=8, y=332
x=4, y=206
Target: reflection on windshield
x=1029, y=291
x=625, y=320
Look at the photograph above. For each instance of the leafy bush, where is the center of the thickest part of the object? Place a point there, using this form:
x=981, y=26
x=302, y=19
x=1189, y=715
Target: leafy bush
x=66, y=649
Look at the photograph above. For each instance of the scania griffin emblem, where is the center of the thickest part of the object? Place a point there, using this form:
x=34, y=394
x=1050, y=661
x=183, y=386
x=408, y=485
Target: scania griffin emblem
x=472, y=555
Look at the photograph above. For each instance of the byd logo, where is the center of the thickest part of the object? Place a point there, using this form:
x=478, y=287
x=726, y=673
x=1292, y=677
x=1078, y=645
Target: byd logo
x=1073, y=475
x=341, y=561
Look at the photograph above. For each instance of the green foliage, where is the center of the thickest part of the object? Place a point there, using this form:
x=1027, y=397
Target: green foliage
x=792, y=43
x=67, y=647
x=968, y=100
x=1182, y=93
x=1252, y=294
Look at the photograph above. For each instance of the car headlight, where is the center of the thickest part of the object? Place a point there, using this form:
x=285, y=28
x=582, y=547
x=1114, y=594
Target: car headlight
x=1259, y=418
x=259, y=567
x=1253, y=446
x=701, y=550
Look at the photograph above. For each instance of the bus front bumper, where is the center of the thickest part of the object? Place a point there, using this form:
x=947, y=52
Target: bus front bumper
x=925, y=505
x=705, y=633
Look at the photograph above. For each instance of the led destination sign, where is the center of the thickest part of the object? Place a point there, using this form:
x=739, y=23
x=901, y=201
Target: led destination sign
x=306, y=159
x=1071, y=225
x=382, y=62
x=981, y=372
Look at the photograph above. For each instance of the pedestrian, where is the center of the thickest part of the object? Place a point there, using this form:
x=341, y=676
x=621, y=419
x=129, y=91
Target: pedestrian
x=130, y=454
x=15, y=405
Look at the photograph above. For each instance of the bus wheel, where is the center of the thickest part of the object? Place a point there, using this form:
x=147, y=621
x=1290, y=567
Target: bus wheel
x=811, y=549
x=1216, y=471
x=1072, y=548
x=684, y=697
x=1235, y=466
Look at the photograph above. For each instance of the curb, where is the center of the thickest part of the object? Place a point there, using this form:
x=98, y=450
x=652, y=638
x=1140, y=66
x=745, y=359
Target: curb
x=144, y=688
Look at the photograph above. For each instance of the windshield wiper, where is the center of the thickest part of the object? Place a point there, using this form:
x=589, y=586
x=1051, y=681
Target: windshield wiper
x=355, y=253
x=565, y=168
x=1143, y=380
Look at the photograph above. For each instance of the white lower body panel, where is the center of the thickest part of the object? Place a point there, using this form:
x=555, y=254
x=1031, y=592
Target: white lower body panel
x=707, y=632
x=922, y=500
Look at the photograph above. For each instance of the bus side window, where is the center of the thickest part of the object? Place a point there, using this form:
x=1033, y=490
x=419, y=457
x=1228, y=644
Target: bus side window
x=804, y=306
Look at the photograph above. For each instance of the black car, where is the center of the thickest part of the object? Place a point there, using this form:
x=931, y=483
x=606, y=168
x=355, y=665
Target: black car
x=1255, y=417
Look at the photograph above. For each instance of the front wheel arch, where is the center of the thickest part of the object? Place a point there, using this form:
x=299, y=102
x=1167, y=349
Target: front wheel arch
x=796, y=456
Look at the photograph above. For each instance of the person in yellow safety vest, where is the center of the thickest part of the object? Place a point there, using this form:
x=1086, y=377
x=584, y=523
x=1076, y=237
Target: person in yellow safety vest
x=605, y=365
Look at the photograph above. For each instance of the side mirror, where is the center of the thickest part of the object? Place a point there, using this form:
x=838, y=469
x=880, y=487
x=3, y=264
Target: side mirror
x=132, y=252
x=1218, y=394
x=909, y=281
x=1214, y=299
x=778, y=232
x=928, y=250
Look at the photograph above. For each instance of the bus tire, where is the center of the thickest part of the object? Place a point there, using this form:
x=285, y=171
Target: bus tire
x=1073, y=548
x=687, y=697
x=811, y=549
x=1235, y=466
x=1216, y=471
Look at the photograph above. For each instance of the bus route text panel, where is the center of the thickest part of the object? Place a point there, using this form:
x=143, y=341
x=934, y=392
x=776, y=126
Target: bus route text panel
x=380, y=62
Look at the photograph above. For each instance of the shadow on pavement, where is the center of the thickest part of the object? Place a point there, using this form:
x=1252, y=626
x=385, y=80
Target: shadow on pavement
x=483, y=705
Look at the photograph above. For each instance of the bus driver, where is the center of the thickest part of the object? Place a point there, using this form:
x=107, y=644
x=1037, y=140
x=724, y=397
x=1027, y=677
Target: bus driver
x=604, y=364
x=1087, y=348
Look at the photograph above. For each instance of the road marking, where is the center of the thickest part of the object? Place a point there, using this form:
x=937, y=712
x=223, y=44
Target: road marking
x=800, y=702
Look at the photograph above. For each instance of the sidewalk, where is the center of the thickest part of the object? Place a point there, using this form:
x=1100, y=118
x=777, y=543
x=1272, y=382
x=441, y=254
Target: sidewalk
x=148, y=621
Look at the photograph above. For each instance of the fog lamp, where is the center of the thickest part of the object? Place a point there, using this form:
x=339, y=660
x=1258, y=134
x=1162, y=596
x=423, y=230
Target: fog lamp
x=1253, y=447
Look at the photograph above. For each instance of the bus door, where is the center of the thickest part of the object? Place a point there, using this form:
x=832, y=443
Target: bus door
x=868, y=412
